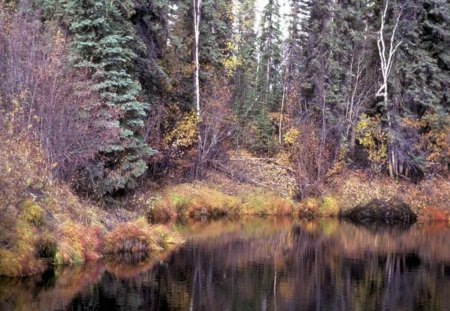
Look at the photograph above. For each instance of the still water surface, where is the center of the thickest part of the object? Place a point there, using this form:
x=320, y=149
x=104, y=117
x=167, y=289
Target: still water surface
x=259, y=264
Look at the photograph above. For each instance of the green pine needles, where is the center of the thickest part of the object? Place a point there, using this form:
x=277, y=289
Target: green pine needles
x=102, y=46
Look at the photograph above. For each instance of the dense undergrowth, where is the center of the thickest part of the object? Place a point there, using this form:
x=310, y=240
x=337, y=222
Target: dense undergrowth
x=43, y=223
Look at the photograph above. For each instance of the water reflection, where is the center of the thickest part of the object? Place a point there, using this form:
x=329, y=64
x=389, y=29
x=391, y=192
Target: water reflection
x=259, y=265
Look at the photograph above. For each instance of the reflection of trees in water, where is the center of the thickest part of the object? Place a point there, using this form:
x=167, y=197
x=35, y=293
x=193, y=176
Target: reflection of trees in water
x=367, y=280
x=302, y=269
x=307, y=266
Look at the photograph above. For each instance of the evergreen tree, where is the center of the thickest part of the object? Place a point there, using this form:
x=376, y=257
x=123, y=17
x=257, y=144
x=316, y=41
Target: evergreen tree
x=216, y=36
x=215, y=46
x=269, y=82
x=420, y=84
x=269, y=73
x=102, y=44
x=299, y=10
x=244, y=78
x=335, y=65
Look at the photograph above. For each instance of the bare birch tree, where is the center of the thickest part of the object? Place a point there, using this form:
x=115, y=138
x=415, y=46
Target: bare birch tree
x=196, y=7
x=360, y=87
x=386, y=62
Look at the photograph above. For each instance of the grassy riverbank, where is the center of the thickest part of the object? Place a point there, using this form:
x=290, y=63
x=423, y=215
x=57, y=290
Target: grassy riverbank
x=43, y=223
x=197, y=200
x=226, y=198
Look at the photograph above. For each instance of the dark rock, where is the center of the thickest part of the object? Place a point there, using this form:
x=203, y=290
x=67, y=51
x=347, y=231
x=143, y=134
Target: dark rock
x=392, y=212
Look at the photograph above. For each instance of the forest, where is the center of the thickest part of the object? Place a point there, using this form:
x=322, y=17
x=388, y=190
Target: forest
x=116, y=115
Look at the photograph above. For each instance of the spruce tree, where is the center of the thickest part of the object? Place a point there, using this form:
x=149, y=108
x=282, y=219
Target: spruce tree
x=269, y=82
x=420, y=83
x=244, y=77
x=292, y=67
x=216, y=36
x=103, y=38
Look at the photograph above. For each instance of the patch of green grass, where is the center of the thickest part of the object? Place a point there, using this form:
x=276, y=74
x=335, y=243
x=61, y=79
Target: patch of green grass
x=329, y=206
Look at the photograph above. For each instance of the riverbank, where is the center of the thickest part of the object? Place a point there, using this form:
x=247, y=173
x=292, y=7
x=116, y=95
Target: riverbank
x=429, y=199
x=44, y=224
x=51, y=226
x=220, y=196
x=36, y=235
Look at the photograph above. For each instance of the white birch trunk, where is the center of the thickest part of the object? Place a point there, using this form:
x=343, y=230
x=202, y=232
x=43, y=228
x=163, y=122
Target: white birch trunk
x=196, y=4
x=387, y=60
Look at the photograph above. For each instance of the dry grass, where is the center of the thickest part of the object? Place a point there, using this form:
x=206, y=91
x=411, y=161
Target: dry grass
x=312, y=207
x=138, y=236
x=262, y=202
x=186, y=201
x=43, y=223
x=78, y=243
x=195, y=200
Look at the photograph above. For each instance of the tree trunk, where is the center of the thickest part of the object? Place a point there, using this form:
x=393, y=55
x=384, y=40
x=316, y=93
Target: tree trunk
x=196, y=8
x=197, y=14
x=387, y=61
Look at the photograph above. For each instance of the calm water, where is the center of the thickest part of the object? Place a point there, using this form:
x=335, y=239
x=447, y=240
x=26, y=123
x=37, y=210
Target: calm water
x=259, y=265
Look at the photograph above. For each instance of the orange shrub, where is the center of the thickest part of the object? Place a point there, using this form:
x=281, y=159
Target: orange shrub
x=78, y=243
x=138, y=236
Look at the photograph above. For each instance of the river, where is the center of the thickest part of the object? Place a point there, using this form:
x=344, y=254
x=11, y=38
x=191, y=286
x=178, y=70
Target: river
x=258, y=264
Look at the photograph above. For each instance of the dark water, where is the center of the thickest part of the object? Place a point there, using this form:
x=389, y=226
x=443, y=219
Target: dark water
x=259, y=265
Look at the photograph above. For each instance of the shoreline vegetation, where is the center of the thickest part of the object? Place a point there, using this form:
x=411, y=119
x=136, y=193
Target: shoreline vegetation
x=43, y=223
x=344, y=240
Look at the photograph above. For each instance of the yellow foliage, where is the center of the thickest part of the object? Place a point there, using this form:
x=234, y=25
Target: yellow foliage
x=437, y=140
x=283, y=158
x=435, y=137
x=339, y=163
x=185, y=132
x=31, y=212
x=231, y=63
x=290, y=137
x=329, y=206
x=374, y=138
